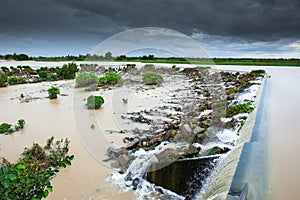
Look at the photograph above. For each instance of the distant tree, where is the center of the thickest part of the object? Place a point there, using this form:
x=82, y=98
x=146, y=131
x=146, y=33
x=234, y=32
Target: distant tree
x=53, y=92
x=108, y=56
x=3, y=79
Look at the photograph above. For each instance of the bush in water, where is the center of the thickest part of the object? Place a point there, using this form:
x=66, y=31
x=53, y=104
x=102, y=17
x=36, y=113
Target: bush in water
x=94, y=102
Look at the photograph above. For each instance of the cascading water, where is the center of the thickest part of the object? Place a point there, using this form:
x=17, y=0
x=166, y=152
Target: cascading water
x=217, y=184
x=133, y=178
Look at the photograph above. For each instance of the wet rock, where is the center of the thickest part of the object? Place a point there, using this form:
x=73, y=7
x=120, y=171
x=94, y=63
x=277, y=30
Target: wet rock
x=198, y=130
x=186, y=130
x=185, y=134
x=133, y=144
x=123, y=160
x=141, y=119
x=207, y=105
x=115, y=164
x=215, y=150
x=177, y=108
x=167, y=153
x=199, y=138
x=113, y=153
x=136, y=183
x=191, y=151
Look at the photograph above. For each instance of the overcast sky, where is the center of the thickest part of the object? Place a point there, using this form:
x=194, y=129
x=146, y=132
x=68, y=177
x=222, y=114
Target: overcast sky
x=223, y=28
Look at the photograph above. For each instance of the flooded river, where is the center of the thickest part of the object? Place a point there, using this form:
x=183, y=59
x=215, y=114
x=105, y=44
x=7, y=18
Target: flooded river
x=283, y=144
x=85, y=179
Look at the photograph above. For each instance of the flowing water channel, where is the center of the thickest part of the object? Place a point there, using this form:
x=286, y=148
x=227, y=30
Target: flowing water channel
x=86, y=178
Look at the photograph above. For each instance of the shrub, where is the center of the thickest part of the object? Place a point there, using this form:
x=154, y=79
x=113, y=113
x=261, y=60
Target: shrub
x=6, y=128
x=102, y=80
x=3, y=79
x=53, y=92
x=52, y=77
x=14, y=80
x=152, y=78
x=86, y=79
x=258, y=72
x=94, y=102
x=21, y=123
x=68, y=71
x=109, y=78
x=148, y=68
x=112, y=77
x=240, y=108
x=30, y=177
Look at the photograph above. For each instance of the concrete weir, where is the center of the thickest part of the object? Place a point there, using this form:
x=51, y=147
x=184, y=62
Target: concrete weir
x=209, y=177
x=183, y=176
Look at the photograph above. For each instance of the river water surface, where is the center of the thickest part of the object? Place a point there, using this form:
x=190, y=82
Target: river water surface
x=85, y=179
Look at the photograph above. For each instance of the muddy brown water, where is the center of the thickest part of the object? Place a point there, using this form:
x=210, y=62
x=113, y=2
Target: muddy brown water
x=85, y=179
x=68, y=117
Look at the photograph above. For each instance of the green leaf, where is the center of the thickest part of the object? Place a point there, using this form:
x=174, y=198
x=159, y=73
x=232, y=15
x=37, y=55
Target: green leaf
x=5, y=183
x=71, y=157
x=20, y=166
x=50, y=189
x=67, y=162
x=46, y=192
x=11, y=177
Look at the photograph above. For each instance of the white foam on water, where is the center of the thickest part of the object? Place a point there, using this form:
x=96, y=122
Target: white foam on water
x=228, y=135
x=137, y=170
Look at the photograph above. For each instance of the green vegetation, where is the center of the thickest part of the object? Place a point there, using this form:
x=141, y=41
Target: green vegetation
x=240, y=108
x=110, y=78
x=7, y=129
x=151, y=59
x=53, y=92
x=29, y=178
x=3, y=79
x=21, y=123
x=68, y=71
x=198, y=79
x=14, y=80
x=15, y=57
x=148, y=68
x=85, y=79
x=258, y=72
x=152, y=78
x=94, y=102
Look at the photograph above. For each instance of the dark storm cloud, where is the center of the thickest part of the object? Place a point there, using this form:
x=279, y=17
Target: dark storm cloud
x=34, y=22
x=245, y=18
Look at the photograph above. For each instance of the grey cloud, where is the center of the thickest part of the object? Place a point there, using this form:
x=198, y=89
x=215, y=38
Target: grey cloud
x=91, y=21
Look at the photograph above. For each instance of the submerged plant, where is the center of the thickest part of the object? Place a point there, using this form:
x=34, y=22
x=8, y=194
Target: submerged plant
x=53, y=92
x=94, y=102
